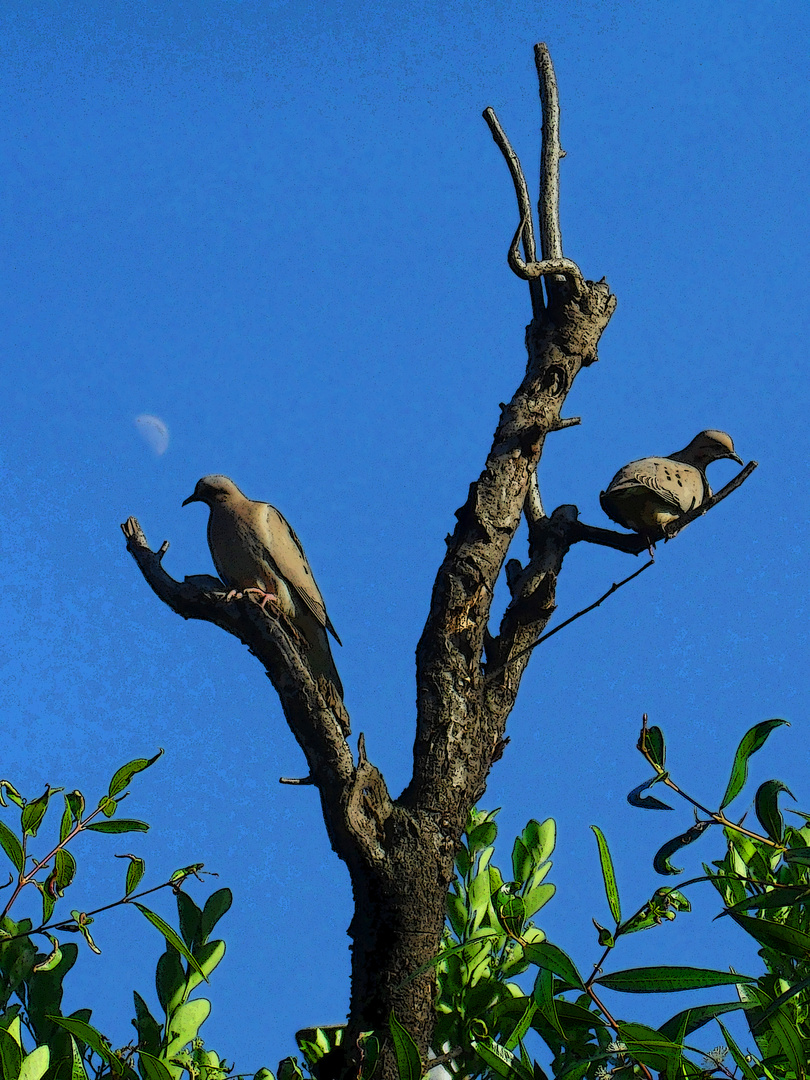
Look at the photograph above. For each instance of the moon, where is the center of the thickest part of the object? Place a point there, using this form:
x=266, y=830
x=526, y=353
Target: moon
x=153, y=431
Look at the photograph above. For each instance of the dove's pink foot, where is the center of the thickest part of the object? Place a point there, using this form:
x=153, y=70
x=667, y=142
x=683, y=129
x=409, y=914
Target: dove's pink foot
x=267, y=597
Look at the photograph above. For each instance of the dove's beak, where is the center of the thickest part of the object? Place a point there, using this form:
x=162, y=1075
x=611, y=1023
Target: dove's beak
x=195, y=498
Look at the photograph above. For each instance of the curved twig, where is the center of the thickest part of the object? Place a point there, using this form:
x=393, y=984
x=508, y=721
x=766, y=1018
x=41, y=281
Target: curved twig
x=518, y=179
x=530, y=271
x=524, y=205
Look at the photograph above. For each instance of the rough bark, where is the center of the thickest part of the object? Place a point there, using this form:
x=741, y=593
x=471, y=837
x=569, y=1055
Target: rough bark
x=400, y=852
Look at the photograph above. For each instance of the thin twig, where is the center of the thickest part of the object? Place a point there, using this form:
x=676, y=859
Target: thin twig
x=548, y=207
x=296, y=780
x=518, y=179
x=674, y=527
x=524, y=205
x=613, y=588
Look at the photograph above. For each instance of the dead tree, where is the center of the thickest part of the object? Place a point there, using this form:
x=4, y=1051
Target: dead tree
x=400, y=851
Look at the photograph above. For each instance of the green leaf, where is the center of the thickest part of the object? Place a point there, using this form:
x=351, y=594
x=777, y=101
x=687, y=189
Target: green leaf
x=651, y=744
x=12, y=847
x=546, y=955
x=207, y=956
x=12, y=793
x=170, y=980
x=171, y=936
x=500, y=1060
x=482, y=836
x=35, y=1065
x=537, y=898
x=664, y=979
x=190, y=918
x=648, y=802
x=75, y=803
x=184, y=1024
x=93, y=1038
x=650, y=1047
x=767, y=808
x=409, y=1063
x=151, y=1068
x=521, y=861
x=799, y=855
x=753, y=740
x=784, y=1028
x=696, y=1017
x=215, y=907
x=288, y=1069
x=10, y=1055
x=67, y=823
x=523, y=1024
x=123, y=776
x=783, y=939
x=661, y=863
x=34, y=812
x=775, y=898
x=737, y=1054
x=135, y=872
x=77, y=1069
x=148, y=1029
x=608, y=875
x=65, y=870
x=543, y=998
x=54, y=957
x=121, y=825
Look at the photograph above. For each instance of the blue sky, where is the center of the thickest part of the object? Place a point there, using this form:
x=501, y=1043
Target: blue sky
x=282, y=228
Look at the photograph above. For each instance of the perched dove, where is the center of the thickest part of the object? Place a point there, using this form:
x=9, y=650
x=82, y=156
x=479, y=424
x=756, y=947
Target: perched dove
x=255, y=549
x=647, y=494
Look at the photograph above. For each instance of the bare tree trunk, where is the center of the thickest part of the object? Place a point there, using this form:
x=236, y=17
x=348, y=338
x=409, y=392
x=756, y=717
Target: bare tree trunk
x=400, y=852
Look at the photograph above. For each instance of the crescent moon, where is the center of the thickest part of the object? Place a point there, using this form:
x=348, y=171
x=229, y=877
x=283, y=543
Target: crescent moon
x=154, y=432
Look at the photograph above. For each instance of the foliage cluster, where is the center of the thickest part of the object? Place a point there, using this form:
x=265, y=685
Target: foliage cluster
x=487, y=1012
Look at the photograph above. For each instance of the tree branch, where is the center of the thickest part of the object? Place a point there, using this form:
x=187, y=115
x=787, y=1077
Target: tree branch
x=548, y=207
x=526, y=230
x=674, y=527
x=318, y=720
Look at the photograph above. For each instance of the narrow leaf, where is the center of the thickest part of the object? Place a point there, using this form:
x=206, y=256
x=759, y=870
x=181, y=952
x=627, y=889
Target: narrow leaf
x=11, y=845
x=409, y=1063
x=767, y=808
x=123, y=776
x=737, y=1054
x=502, y=1061
x=546, y=955
x=608, y=875
x=784, y=939
x=120, y=825
x=93, y=1038
x=753, y=740
x=648, y=802
x=661, y=863
x=171, y=936
x=665, y=979
x=135, y=872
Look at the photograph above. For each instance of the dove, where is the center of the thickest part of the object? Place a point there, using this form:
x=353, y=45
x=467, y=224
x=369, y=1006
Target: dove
x=256, y=551
x=647, y=494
